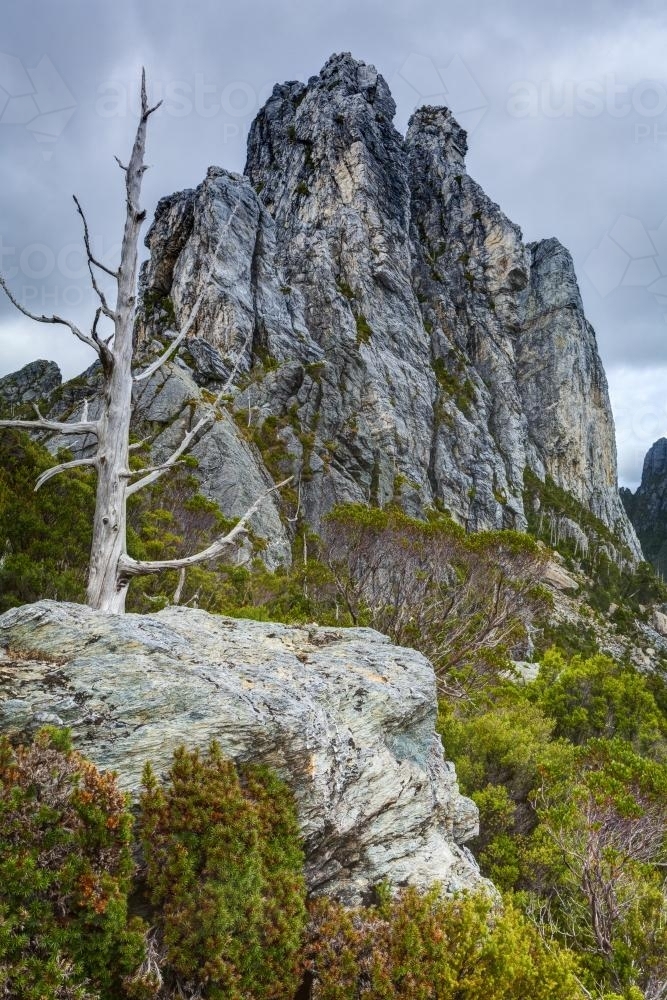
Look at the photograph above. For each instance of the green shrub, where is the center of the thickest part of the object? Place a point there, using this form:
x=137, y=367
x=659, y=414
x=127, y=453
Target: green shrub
x=224, y=874
x=44, y=536
x=454, y=383
x=364, y=331
x=465, y=601
x=598, y=697
x=425, y=947
x=597, y=862
x=65, y=875
x=499, y=754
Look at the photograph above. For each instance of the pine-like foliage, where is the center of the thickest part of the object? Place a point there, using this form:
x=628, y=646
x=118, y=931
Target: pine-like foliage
x=224, y=873
x=65, y=874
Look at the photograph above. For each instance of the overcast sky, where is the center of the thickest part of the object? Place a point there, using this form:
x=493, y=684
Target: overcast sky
x=566, y=107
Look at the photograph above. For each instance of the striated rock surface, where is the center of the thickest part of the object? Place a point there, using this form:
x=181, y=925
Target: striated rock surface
x=391, y=336
x=345, y=717
x=419, y=350
x=647, y=508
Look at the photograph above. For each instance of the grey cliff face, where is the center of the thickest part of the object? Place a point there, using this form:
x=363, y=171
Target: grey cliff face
x=344, y=716
x=647, y=508
x=387, y=318
x=564, y=389
x=388, y=335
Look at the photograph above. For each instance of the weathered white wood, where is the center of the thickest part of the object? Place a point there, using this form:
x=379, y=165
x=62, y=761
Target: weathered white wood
x=86, y=238
x=129, y=567
x=57, y=320
x=194, y=433
x=170, y=351
x=110, y=520
x=82, y=427
x=111, y=569
x=63, y=467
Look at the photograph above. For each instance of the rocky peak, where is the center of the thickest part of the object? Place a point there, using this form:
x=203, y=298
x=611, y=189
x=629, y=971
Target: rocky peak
x=655, y=463
x=351, y=76
x=647, y=508
x=319, y=154
x=398, y=341
x=436, y=127
x=556, y=285
x=35, y=381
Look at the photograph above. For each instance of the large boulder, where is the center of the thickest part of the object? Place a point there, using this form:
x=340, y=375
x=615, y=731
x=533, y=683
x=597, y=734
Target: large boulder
x=347, y=718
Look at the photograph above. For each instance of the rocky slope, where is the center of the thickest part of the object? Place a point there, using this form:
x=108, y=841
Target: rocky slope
x=347, y=718
x=647, y=508
x=395, y=339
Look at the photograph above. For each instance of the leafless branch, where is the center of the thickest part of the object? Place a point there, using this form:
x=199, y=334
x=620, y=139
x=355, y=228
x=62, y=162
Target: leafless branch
x=129, y=567
x=146, y=112
x=173, y=347
x=173, y=460
x=63, y=467
x=57, y=320
x=138, y=445
x=178, y=593
x=191, y=436
x=86, y=240
x=42, y=424
x=131, y=473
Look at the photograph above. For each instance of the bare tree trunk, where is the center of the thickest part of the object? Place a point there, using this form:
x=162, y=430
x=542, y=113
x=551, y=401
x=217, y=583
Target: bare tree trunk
x=105, y=590
x=111, y=569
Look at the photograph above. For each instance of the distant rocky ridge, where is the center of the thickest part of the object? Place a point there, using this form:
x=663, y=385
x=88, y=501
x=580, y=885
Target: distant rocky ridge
x=647, y=508
x=395, y=338
x=33, y=383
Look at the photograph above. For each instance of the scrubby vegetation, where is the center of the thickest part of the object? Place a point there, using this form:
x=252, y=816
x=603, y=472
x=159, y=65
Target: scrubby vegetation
x=223, y=886
x=464, y=600
x=569, y=772
x=568, y=767
x=44, y=537
x=576, y=834
x=221, y=880
x=420, y=947
x=65, y=877
x=224, y=873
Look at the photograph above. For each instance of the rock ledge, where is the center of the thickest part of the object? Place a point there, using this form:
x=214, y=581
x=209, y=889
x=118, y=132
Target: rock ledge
x=345, y=716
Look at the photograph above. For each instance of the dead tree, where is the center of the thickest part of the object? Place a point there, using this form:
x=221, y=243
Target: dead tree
x=111, y=568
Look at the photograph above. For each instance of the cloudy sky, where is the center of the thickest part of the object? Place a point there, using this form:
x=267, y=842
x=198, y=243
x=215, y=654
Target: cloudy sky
x=566, y=107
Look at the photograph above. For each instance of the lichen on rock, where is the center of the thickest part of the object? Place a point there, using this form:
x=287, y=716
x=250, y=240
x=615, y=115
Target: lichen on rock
x=344, y=716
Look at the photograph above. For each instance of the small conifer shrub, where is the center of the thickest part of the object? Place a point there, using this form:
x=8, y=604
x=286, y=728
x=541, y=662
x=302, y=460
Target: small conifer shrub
x=65, y=875
x=224, y=874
